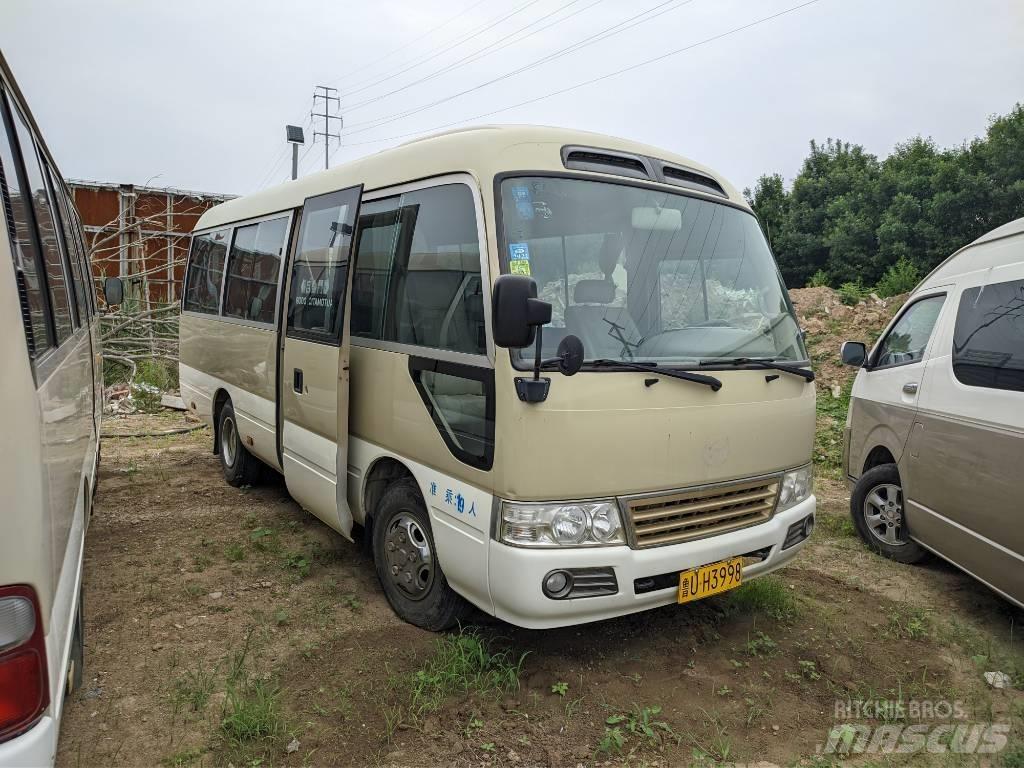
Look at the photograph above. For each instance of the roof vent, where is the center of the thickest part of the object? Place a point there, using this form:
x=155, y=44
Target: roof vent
x=604, y=161
x=683, y=177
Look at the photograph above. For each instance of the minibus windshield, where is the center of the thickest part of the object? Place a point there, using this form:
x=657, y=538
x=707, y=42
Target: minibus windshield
x=646, y=275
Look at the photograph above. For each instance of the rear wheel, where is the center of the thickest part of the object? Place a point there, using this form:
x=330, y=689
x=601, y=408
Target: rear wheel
x=240, y=467
x=406, y=561
x=877, y=509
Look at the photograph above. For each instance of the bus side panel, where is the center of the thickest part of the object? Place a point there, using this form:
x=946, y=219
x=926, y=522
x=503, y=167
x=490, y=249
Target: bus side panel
x=216, y=354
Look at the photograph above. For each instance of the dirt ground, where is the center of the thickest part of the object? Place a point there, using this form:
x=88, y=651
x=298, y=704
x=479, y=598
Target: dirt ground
x=226, y=626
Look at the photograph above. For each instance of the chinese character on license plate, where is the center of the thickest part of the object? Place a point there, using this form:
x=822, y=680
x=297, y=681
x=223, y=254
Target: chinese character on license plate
x=710, y=579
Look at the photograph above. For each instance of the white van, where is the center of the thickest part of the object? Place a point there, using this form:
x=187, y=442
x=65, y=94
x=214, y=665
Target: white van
x=51, y=388
x=935, y=432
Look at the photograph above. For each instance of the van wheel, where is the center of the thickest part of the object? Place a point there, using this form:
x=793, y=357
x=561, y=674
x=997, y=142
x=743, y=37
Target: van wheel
x=877, y=509
x=76, y=658
x=406, y=561
x=240, y=467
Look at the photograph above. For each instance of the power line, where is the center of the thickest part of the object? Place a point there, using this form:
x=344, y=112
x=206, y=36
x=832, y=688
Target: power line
x=585, y=83
x=402, y=47
x=468, y=36
x=615, y=29
x=483, y=52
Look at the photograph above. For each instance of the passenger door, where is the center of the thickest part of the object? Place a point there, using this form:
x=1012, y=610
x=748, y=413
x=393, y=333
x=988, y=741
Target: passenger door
x=967, y=448
x=884, y=397
x=314, y=370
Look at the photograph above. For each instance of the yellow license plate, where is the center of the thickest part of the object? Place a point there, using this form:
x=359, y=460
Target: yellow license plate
x=698, y=583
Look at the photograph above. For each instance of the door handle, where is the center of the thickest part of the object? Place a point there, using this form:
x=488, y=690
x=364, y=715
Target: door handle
x=910, y=388
x=297, y=380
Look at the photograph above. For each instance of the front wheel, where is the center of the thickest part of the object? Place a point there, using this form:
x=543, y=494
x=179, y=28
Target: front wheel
x=876, y=506
x=406, y=561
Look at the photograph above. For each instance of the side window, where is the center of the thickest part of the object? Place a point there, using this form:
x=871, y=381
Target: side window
x=254, y=268
x=988, y=340
x=417, y=276
x=56, y=279
x=206, y=272
x=68, y=242
x=906, y=341
x=86, y=256
x=316, y=304
x=28, y=261
x=460, y=401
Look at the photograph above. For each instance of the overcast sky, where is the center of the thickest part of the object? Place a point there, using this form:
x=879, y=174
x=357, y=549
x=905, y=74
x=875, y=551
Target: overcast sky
x=195, y=93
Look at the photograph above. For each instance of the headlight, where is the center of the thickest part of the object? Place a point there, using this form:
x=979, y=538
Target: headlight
x=584, y=524
x=796, y=486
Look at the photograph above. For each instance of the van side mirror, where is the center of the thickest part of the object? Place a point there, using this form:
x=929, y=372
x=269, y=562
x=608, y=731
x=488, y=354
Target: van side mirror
x=517, y=317
x=516, y=311
x=113, y=291
x=853, y=353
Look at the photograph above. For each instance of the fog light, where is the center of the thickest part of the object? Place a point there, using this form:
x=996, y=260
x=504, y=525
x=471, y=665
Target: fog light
x=557, y=584
x=808, y=526
x=798, y=532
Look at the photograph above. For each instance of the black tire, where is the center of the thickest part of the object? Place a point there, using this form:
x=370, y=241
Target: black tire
x=876, y=506
x=240, y=467
x=419, y=598
x=76, y=659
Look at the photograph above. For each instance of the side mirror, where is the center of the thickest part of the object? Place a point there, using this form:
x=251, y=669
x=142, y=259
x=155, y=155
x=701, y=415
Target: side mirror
x=853, y=353
x=516, y=311
x=113, y=291
x=570, y=355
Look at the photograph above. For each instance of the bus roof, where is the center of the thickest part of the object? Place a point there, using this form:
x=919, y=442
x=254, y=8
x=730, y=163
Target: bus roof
x=481, y=151
x=970, y=258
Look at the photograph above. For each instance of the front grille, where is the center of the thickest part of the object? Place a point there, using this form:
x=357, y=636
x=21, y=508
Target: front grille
x=698, y=513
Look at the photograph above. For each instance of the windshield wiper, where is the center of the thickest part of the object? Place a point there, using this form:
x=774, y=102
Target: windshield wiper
x=763, y=362
x=650, y=366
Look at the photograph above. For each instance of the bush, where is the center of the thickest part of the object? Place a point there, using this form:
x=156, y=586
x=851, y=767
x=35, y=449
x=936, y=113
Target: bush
x=901, y=277
x=818, y=280
x=851, y=293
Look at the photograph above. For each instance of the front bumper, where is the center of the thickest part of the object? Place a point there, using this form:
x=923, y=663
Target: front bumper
x=35, y=747
x=515, y=573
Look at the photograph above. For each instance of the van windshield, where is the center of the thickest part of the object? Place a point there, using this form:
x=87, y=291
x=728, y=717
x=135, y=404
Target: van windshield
x=641, y=274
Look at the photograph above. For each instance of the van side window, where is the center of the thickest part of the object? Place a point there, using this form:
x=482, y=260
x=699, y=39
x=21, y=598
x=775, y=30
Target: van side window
x=906, y=341
x=56, y=279
x=68, y=242
x=206, y=271
x=988, y=340
x=316, y=304
x=417, y=276
x=254, y=267
x=28, y=260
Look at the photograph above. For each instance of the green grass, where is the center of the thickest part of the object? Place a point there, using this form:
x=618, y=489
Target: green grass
x=836, y=526
x=828, y=435
x=251, y=712
x=636, y=728
x=463, y=663
x=193, y=689
x=767, y=595
x=234, y=552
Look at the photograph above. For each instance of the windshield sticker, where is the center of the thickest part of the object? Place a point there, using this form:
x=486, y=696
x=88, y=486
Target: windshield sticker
x=519, y=258
x=524, y=205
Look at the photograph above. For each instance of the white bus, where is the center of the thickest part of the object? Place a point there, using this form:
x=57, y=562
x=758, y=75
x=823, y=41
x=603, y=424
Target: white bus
x=51, y=386
x=552, y=374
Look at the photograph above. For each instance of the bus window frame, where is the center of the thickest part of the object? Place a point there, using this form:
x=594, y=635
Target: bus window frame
x=414, y=350
x=290, y=214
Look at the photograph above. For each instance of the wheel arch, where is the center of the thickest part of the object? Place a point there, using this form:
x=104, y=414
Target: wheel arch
x=878, y=456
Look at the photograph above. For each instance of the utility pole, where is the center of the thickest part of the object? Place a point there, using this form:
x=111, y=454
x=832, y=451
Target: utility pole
x=293, y=134
x=328, y=95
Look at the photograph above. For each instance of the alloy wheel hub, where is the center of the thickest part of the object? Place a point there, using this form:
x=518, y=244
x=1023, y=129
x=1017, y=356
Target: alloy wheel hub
x=409, y=559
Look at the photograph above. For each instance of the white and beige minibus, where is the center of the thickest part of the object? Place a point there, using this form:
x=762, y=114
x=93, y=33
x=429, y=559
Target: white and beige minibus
x=51, y=385
x=549, y=373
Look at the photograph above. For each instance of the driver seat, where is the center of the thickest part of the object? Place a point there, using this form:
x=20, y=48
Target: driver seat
x=586, y=317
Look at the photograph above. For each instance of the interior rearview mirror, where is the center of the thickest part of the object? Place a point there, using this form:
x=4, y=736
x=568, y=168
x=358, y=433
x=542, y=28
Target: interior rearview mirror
x=853, y=353
x=113, y=291
x=516, y=311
